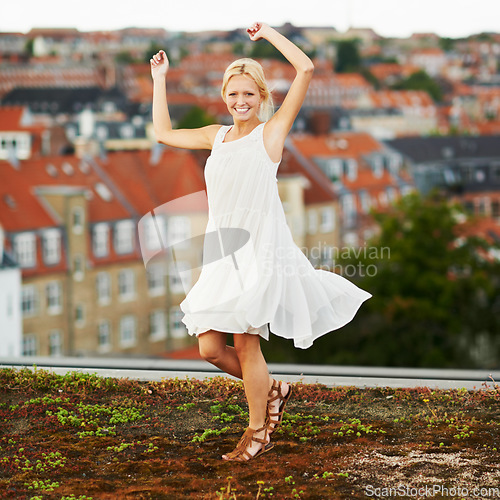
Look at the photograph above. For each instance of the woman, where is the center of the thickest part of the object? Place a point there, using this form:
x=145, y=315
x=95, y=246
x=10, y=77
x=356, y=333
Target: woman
x=264, y=282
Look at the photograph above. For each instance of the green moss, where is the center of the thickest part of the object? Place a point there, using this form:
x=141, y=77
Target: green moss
x=86, y=437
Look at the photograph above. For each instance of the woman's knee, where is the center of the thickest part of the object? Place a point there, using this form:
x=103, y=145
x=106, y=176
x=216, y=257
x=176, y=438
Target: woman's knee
x=246, y=345
x=211, y=347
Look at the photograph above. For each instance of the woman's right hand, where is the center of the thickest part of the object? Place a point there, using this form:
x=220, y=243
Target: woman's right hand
x=159, y=65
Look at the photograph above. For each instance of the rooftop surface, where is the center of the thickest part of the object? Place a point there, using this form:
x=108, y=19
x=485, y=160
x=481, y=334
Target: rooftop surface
x=155, y=369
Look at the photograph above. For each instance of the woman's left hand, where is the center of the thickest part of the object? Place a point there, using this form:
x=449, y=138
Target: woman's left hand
x=257, y=31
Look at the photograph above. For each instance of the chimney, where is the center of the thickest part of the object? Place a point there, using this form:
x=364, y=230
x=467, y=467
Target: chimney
x=86, y=122
x=46, y=143
x=320, y=122
x=85, y=147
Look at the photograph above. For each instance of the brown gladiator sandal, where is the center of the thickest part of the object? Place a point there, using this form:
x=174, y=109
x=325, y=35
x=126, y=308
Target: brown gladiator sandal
x=241, y=454
x=276, y=387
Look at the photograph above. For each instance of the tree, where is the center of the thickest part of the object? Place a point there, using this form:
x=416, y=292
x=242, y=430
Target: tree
x=348, y=57
x=28, y=46
x=196, y=117
x=124, y=57
x=436, y=297
x=420, y=80
x=447, y=44
x=266, y=51
x=153, y=48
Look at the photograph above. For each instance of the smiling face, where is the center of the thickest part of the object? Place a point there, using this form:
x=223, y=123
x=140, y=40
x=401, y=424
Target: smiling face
x=242, y=98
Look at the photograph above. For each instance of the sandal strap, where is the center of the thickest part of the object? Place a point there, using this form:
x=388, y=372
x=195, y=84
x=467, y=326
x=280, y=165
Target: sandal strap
x=240, y=453
x=276, y=422
x=276, y=386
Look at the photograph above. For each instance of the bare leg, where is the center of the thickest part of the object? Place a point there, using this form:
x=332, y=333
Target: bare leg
x=256, y=382
x=213, y=348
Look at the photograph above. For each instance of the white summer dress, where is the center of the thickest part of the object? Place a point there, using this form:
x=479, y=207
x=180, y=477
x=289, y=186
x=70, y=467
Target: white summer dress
x=254, y=278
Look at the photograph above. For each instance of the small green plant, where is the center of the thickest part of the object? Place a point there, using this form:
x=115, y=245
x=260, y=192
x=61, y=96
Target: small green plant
x=185, y=406
x=227, y=492
x=208, y=433
x=46, y=485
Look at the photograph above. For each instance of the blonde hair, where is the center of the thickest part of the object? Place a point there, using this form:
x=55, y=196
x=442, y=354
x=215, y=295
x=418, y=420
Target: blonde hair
x=251, y=68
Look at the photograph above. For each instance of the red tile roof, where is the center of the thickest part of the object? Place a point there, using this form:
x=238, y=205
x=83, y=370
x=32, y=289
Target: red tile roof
x=51, y=76
x=147, y=186
x=354, y=145
x=143, y=185
x=46, y=172
x=488, y=128
x=486, y=228
x=429, y=51
x=341, y=145
x=319, y=190
x=10, y=118
x=136, y=187
x=402, y=99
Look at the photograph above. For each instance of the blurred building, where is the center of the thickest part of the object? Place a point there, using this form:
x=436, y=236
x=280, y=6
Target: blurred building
x=10, y=299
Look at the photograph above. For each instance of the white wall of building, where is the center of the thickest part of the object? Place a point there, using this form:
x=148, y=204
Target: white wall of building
x=10, y=312
x=11, y=326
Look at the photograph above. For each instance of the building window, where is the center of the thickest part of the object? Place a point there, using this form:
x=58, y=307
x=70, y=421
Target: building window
x=495, y=209
x=351, y=240
x=29, y=345
x=156, y=279
x=29, y=301
x=79, y=315
x=155, y=232
x=377, y=166
x=351, y=169
x=180, y=277
x=78, y=268
x=312, y=225
x=333, y=169
x=366, y=202
x=179, y=231
x=383, y=199
x=349, y=210
x=395, y=162
x=53, y=292
x=51, y=246
x=127, y=331
x=495, y=173
x=77, y=220
x=55, y=343
x=25, y=249
x=391, y=194
x=177, y=327
x=124, y=237
x=103, y=287
x=406, y=190
x=100, y=240
x=126, y=284
x=327, y=223
x=157, y=326
x=104, y=335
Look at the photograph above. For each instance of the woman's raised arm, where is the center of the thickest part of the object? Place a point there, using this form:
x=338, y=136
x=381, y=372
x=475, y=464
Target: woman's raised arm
x=198, y=138
x=280, y=124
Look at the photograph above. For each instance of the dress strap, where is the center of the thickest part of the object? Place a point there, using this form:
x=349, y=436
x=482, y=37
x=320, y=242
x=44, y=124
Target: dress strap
x=221, y=133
